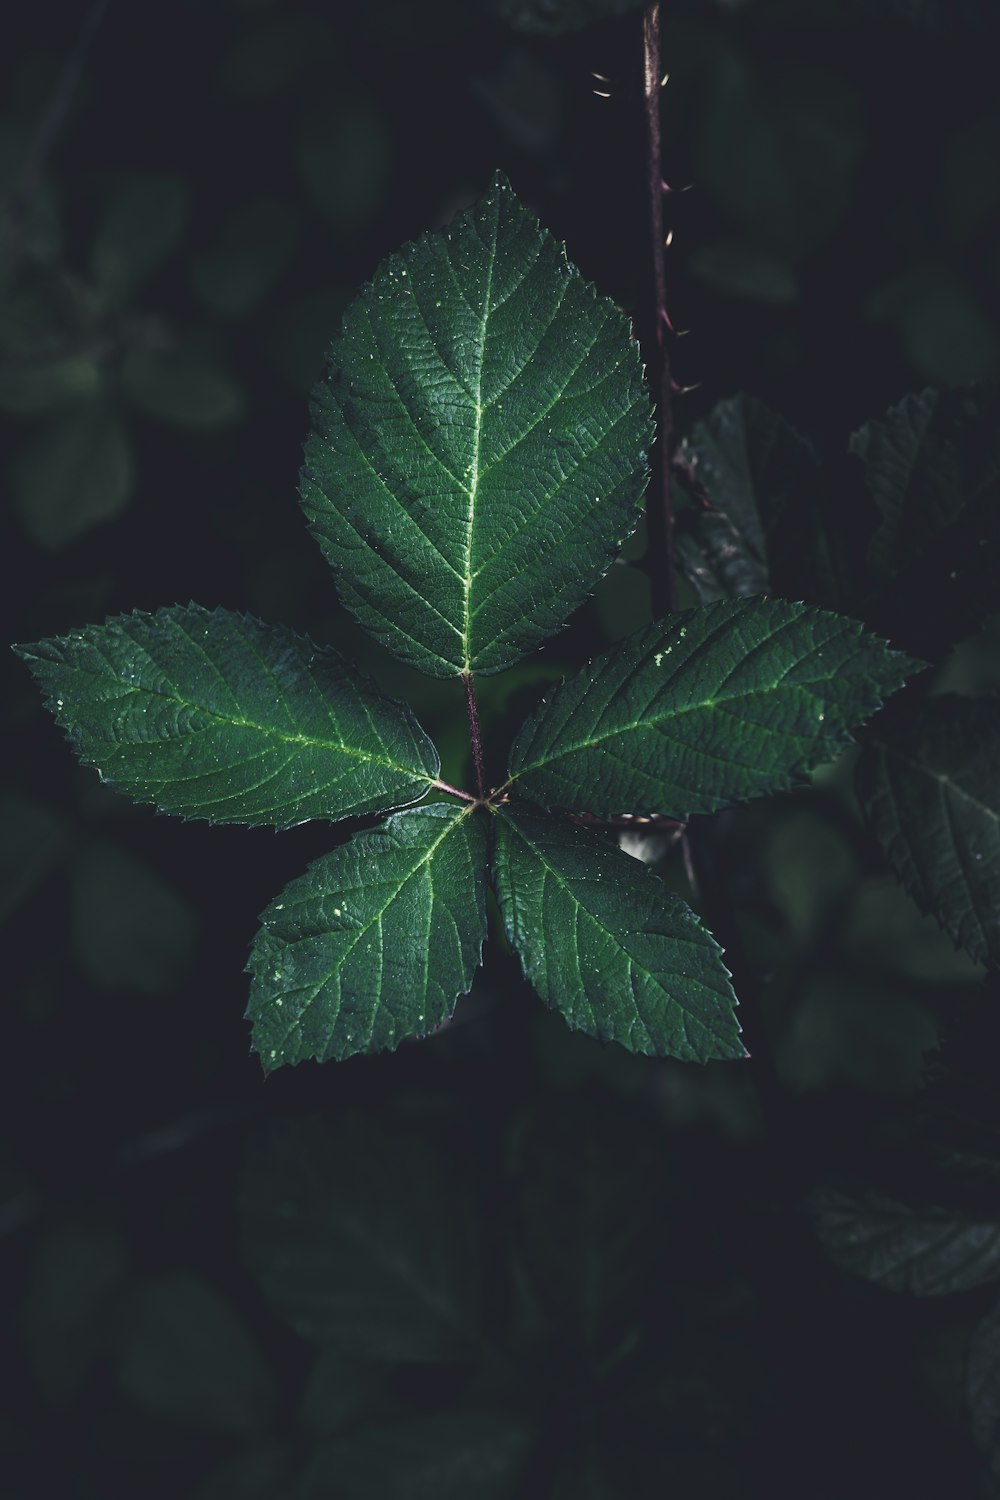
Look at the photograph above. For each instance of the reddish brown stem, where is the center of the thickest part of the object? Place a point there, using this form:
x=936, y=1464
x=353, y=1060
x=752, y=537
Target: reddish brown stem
x=659, y=502
x=472, y=709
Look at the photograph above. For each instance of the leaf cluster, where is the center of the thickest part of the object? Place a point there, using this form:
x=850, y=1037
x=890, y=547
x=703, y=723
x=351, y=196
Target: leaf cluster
x=478, y=455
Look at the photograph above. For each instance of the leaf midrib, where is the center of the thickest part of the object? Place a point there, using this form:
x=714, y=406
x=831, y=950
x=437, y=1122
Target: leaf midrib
x=719, y=700
x=265, y=729
x=360, y=932
x=615, y=936
x=467, y=574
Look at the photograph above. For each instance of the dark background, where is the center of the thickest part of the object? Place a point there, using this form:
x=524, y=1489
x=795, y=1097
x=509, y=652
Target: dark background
x=838, y=249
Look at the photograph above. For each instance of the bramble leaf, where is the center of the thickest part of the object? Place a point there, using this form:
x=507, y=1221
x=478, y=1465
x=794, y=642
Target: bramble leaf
x=931, y=795
x=605, y=943
x=478, y=452
x=932, y=467
x=761, y=525
x=214, y=715
x=375, y=942
x=927, y=1252
x=707, y=708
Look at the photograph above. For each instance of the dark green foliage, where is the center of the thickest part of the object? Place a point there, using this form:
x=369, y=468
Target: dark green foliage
x=478, y=454
x=645, y=1309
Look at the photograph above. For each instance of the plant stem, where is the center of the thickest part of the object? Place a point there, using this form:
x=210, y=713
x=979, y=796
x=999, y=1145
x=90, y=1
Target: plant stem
x=445, y=786
x=472, y=709
x=659, y=504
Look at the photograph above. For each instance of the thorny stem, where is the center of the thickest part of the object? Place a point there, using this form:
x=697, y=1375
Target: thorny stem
x=472, y=710
x=659, y=504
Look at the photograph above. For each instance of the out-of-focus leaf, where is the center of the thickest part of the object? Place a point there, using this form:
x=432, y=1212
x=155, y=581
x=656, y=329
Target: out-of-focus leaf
x=778, y=150
x=129, y=928
x=362, y=1235
x=30, y=839
x=142, y=224
x=932, y=467
x=451, y=1455
x=946, y=335
x=29, y=223
x=252, y=250
x=44, y=359
x=187, y=386
x=260, y=1473
x=930, y=788
x=340, y=1390
x=552, y=17
x=184, y=1354
x=31, y=387
x=742, y=270
x=982, y=1388
x=301, y=335
x=925, y=1252
x=65, y=1310
x=588, y=1219
x=271, y=55
x=762, y=518
x=871, y=1033
x=345, y=159
x=75, y=473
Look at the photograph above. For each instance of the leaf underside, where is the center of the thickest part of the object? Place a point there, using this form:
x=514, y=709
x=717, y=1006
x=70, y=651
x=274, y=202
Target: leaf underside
x=931, y=795
x=923, y=1252
x=604, y=942
x=214, y=715
x=478, y=452
x=761, y=524
x=932, y=468
x=375, y=942
x=710, y=707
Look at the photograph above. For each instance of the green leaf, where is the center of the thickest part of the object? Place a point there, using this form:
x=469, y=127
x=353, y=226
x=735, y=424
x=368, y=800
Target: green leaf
x=184, y=1353
x=214, y=715
x=926, y=1252
x=141, y=226
x=360, y=1235
x=375, y=943
x=605, y=943
x=186, y=386
x=932, y=467
x=75, y=474
x=446, y=1455
x=478, y=452
x=931, y=794
x=710, y=707
x=759, y=526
